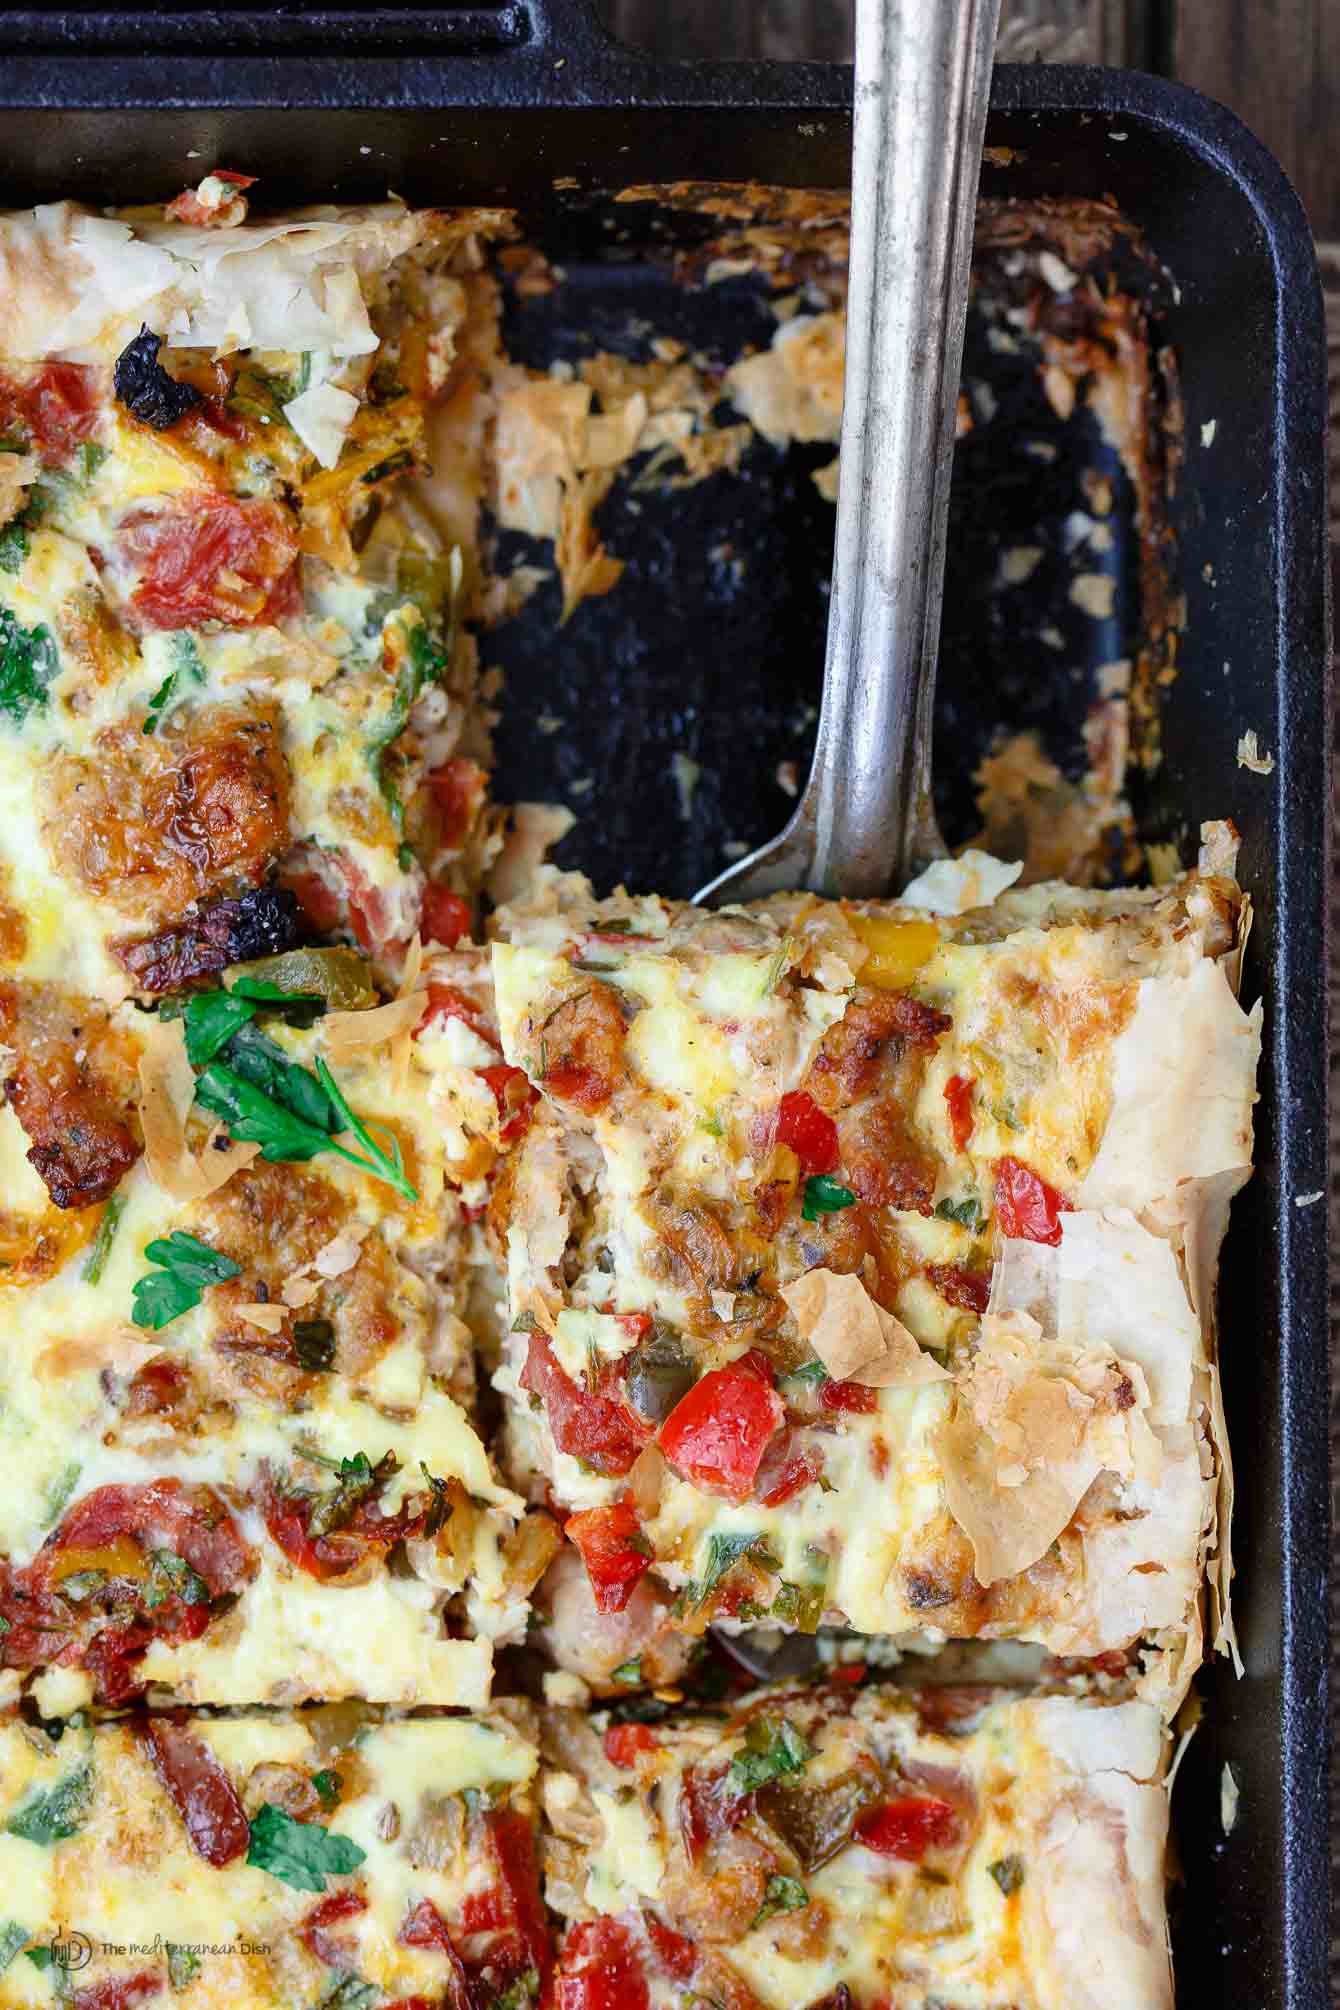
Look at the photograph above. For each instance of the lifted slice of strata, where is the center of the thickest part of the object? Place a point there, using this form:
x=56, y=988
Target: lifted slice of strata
x=237, y=1431
x=270, y=1860
x=861, y=1261
x=825, y=1848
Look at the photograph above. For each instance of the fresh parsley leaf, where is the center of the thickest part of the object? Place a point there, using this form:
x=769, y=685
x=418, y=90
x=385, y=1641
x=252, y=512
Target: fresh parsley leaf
x=188, y=1268
x=824, y=1195
x=13, y=546
x=158, y=701
x=328, y=1785
x=782, y=1894
x=13, y=1939
x=183, y=1966
x=259, y=1061
x=100, y=1247
x=1008, y=1871
x=89, y=459
x=629, y=1672
x=211, y=1019
x=285, y=1136
x=525, y=1322
x=967, y=1212
x=55, y=1813
x=350, y=1993
x=302, y=1854
x=773, y=1749
x=422, y=663
x=29, y=660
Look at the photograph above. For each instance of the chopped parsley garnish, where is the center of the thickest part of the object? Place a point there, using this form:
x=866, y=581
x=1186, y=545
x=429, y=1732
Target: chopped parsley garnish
x=781, y=1894
x=328, y=1786
x=774, y=1748
x=171, y=1576
x=439, y=1506
x=13, y=546
x=183, y=1965
x=629, y=1672
x=824, y=1195
x=13, y=1939
x=187, y=1268
x=293, y=1116
x=302, y=1854
x=1008, y=1871
x=423, y=663
x=812, y=1373
x=59, y=1490
x=56, y=1813
x=186, y=662
x=724, y=1550
x=967, y=1212
x=29, y=660
x=100, y=1247
x=356, y=1481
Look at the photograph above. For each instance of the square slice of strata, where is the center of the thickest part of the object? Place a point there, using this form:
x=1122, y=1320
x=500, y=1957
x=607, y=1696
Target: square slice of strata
x=835, y=1848
x=238, y=705
x=237, y=1417
x=861, y=1257
x=270, y=1861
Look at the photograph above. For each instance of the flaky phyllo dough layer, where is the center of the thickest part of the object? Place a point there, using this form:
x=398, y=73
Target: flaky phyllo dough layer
x=861, y=1262
x=253, y=1093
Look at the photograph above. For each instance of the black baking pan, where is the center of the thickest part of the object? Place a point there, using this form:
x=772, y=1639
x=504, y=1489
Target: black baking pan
x=462, y=105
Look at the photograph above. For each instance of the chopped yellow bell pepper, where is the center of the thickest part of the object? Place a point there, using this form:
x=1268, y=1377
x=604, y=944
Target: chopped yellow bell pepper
x=898, y=949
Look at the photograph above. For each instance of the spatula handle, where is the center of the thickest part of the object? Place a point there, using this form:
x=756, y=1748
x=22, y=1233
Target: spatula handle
x=923, y=75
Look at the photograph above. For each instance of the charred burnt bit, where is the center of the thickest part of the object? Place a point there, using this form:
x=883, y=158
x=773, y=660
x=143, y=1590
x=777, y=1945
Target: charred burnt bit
x=215, y=933
x=145, y=388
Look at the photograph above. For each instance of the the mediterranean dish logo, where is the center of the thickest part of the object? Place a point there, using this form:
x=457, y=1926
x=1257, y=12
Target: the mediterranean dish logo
x=69, y=1950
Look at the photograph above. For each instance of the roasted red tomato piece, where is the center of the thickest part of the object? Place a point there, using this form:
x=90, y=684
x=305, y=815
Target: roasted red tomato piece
x=457, y=791
x=315, y=1930
x=200, y=1790
x=601, y=1969
x=716, y=1435
x=510, y=1910
x=961, y=1285
x=208, y=557
x=851, y=1396
x=339, y=1539
x=623, y=1742
x=958, y=1100
x=1025, y=1205
x=514, y=1096
x=118, y=1992
x=614, y=1550
x=446, y=1002
x=808, y=1130
x=444, y=916
x=56, y=407
x=588, y=1426
x=907, y=1828
x=675, y=1952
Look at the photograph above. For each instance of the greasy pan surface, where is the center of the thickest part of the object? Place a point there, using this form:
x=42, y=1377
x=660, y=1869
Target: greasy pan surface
x=493, y=106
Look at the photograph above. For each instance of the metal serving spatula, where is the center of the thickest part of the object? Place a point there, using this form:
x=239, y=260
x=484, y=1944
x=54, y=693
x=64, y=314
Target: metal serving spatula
x=865, y=823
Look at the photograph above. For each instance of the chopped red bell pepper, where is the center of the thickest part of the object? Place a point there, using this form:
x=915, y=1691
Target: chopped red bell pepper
x=314, y=1934
x=958, y=1096
x=514, y=1096
x=601, y=1969
x=808, y=1130
x=614, y=1550
x=675, y=1952
x=907, y=1828
x=1025, y=1205
x=623, y=1742
x=717, y=1434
